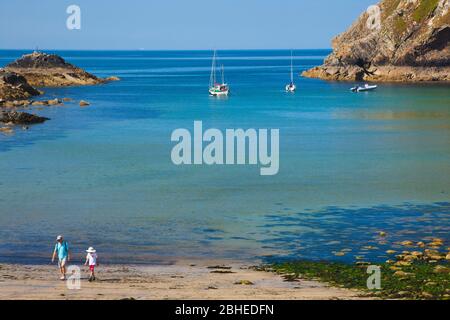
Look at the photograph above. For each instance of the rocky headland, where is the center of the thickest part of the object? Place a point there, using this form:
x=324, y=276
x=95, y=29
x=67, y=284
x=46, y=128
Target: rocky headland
x=19, y=79
x=50, y=70
x=409, y=44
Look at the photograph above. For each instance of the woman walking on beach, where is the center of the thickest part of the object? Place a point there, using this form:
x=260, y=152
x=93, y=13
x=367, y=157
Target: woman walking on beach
x=62, y=250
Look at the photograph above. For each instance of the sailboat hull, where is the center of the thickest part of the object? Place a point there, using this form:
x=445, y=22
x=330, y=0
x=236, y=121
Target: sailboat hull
x=216, y=93
x=291, y=88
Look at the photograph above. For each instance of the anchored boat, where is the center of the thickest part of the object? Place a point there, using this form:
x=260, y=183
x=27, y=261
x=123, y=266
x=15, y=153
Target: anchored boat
x=291, y=86
x=365, y=87
x=215, y=88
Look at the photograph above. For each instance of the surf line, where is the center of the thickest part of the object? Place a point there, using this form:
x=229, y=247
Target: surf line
x=236, y=146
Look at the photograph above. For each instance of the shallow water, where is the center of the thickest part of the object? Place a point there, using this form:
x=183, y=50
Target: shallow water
x=103, y=176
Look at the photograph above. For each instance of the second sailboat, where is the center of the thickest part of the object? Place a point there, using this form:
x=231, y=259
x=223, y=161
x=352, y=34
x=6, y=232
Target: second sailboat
x=215, y=88
x=291, y=87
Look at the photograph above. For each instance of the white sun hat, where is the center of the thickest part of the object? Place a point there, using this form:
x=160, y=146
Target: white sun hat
x=91, y=250
x=59, y=237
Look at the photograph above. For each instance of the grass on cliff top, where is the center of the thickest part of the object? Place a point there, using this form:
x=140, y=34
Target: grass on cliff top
x=425, y=8
x=400, y=26
x=421, y=281
x=388, y=7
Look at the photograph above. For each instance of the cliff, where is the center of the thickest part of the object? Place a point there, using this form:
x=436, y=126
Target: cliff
x=411, y=43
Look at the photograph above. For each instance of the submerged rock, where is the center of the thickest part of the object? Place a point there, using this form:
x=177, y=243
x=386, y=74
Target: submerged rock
x=39, y=103
x=417, y=254
x=402, y=274
x=16, y=117
x=53, y=102
x=84, y=103
x=441, y=269
x=112, y=78
x=6, y=130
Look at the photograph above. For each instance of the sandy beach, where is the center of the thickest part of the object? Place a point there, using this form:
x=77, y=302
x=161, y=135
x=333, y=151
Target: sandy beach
x=183, y=280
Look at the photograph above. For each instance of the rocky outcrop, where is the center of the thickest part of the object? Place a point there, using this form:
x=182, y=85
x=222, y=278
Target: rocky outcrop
x=112, y=78
x=15, y=117
x=14, y=87
x=411, y=43
x=50, y=70
x=41, y=70
x=51, y=102
x=84, y=103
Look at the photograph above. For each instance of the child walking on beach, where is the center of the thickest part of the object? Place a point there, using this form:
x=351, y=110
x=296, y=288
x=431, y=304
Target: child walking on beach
x=91, y=260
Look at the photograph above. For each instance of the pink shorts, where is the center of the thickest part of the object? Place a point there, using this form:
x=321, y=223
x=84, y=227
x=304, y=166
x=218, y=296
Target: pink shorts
x=92, y=267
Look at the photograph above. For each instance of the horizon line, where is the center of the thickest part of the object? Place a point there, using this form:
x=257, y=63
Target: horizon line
x=143, y=49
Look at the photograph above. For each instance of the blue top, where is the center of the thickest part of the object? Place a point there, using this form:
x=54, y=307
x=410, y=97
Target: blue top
x=62, y=249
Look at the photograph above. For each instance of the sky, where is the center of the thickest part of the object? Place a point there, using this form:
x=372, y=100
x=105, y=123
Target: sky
x=177, y=24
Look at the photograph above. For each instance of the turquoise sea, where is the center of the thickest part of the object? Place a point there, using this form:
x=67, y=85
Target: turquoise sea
x=350, y=164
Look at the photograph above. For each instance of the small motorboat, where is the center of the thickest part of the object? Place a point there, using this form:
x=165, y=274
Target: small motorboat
x=365, y=87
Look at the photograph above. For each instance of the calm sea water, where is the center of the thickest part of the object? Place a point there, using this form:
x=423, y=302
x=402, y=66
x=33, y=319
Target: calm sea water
x=350, y=164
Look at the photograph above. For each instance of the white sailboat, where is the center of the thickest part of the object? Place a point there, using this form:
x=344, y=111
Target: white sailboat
x=215, y=88
x=291, y=87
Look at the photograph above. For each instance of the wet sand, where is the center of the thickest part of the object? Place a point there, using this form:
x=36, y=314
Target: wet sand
x=183, y=280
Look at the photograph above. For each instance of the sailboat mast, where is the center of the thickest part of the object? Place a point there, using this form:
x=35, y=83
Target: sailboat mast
x=292, y=70
x=215, y=76
x=223, y=75
x=212, y=79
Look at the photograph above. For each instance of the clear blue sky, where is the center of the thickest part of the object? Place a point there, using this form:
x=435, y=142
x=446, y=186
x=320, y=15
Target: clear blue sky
x=177, y=24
